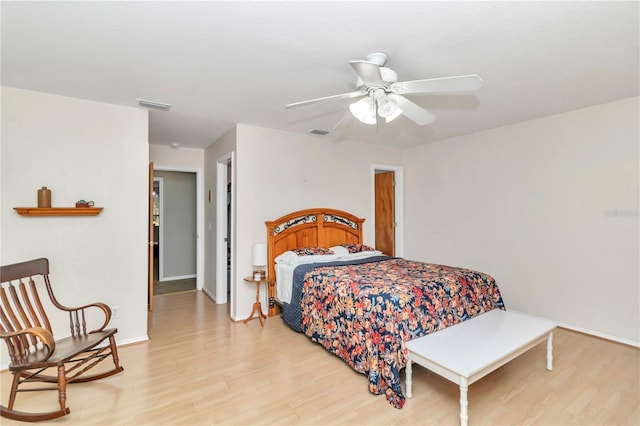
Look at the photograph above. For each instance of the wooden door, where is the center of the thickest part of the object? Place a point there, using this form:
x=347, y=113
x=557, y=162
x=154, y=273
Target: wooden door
x=151, y=238
x=385, y=212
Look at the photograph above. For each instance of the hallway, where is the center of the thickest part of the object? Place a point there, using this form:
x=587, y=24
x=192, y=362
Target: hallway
x=174, y=286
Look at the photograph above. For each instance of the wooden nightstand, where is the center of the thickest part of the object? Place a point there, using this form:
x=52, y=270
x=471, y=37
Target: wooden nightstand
x=257, y=306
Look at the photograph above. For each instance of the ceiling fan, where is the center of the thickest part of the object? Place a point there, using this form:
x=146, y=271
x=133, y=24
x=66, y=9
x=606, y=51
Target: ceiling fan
x=381, y=92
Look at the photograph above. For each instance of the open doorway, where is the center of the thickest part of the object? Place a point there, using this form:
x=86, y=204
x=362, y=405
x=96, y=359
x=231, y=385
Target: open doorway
x=225, y=211
x=175, y=232
x=197, y=204
x=155, y=218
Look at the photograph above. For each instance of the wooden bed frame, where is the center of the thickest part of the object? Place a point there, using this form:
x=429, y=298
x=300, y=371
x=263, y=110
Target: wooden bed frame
x=306, y=228
x=329, y=227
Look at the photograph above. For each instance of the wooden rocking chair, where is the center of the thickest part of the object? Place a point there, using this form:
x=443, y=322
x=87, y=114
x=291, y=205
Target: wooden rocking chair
x=26, y=330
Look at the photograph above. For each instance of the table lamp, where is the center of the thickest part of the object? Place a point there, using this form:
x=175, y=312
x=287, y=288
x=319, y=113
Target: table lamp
x=259, y=260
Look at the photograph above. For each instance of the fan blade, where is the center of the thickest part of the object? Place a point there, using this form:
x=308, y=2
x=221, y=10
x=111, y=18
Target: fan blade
x=327, y=98
x=369, y=73
x=412, y=111
x=461, y=83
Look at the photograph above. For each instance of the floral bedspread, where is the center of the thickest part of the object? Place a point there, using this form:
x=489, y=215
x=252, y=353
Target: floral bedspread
x=363, y=313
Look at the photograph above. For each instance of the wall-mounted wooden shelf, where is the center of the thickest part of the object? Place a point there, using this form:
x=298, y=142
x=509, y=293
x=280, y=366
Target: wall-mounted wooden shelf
x=58, y=211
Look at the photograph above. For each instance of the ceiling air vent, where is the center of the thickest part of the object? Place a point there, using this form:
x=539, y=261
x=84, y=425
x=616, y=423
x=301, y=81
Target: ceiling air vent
x=152, y=104
x=319, y=132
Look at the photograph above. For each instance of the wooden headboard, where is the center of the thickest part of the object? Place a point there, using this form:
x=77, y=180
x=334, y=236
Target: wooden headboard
x=305, y=228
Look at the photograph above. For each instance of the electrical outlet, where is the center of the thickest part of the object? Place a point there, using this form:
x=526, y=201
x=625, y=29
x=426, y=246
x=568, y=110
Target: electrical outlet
x=115, y=312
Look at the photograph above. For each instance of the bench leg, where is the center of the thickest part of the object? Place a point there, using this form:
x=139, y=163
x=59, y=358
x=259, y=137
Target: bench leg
x=550, y=351
x=464, y=415
x=408, y=372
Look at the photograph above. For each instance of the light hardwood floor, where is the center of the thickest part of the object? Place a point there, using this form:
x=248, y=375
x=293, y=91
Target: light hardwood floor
x=200, y=368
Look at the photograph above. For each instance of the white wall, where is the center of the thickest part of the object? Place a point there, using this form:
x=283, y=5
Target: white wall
x=79, y=149
x=549, y=207
x=181, y=158
x=279, y=172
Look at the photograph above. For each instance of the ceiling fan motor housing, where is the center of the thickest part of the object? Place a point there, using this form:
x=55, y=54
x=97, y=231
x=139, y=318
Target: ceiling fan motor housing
x=389, y=76
x=379, y=58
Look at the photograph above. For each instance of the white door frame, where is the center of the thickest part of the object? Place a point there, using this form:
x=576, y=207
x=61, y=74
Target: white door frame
x=200, y=232
x=221, y=230
x=398, y=194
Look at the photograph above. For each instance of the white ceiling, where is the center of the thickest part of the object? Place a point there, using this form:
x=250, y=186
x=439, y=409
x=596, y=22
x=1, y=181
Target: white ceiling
x=220, y=63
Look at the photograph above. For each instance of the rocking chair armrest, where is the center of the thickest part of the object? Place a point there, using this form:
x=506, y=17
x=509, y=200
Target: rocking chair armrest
x=42, y=335
x=103, y=306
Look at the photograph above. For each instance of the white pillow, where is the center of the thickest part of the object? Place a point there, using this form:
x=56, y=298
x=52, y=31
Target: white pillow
x=361, y=255
x=345, y=255
x=340, y=250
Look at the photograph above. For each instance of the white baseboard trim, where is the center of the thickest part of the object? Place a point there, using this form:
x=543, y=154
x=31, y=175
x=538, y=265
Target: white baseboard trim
x=209, y=294
x=126, y=342
x=176, y=278
x=587, y=331
x=601, y=335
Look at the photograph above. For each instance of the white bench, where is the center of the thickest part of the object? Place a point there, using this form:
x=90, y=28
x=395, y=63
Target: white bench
x=468, y=351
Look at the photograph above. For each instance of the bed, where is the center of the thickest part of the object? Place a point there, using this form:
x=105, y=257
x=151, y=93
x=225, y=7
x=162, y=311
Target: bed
x=360, y=304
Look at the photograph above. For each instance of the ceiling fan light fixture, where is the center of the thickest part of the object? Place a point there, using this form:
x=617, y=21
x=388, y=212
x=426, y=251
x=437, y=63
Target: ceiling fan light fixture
x=387, y=108
x=393, y=116
x=363, y=110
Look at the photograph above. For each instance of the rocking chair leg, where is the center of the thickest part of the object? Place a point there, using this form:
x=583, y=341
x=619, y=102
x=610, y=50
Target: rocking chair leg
x=62, y=386
x=114, y=351
x=9, y=413
x=14, y=388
